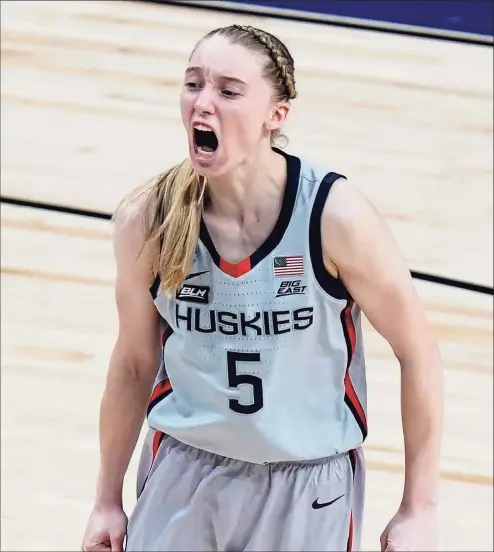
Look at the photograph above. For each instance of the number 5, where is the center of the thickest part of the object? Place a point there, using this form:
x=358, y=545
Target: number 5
x=234, y=380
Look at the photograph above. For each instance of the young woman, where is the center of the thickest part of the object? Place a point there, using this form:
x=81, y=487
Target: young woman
x=242, y=273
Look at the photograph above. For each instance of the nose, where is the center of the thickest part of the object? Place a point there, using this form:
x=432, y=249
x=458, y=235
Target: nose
x=204, y=101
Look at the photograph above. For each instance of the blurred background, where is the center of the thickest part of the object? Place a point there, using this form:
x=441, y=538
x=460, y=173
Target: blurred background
x=397, y=95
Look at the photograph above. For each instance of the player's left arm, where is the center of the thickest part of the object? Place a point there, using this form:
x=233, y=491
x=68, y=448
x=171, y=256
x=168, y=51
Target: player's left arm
x=358, y=243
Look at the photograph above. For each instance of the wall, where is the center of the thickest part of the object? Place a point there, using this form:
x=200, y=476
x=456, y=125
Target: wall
x=473, y=16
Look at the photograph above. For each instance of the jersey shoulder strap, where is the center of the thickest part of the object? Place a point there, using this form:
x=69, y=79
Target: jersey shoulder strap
x=316, y=185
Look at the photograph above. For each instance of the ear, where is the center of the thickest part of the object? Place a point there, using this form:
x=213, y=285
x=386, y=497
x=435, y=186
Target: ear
x=278, y=116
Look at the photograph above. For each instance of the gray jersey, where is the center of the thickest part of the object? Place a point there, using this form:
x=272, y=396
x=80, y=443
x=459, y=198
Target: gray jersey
x=263, y=359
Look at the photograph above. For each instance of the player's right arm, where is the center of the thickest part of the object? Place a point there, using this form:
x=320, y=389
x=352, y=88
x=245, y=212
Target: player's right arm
x=132, y=369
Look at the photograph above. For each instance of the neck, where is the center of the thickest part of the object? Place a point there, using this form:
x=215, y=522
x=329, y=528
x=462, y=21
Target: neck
x=247, y=189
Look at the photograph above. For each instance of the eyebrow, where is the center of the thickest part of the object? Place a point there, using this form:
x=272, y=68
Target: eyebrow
x=222, y=77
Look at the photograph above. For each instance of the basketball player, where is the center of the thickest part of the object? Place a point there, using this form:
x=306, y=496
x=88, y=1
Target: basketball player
x=246, y=270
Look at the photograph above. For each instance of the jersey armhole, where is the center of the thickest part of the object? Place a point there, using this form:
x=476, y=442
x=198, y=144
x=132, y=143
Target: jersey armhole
x=155, y=287
x=331, y=285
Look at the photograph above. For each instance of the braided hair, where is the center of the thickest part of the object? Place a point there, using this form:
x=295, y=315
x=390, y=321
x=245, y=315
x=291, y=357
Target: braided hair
x=280, y=69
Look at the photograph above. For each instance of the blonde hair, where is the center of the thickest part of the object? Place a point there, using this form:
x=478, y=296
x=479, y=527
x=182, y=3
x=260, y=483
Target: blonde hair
x=174, y=200
x=176, y=197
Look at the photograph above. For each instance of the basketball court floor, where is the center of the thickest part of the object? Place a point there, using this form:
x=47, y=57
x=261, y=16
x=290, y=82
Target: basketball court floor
x=89, y=96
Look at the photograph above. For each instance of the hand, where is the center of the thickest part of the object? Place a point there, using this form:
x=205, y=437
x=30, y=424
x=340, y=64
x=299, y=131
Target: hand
x=105, y=530
x=411, y=529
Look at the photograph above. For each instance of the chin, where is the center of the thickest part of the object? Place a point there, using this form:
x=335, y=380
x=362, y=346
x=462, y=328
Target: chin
x=206, y=165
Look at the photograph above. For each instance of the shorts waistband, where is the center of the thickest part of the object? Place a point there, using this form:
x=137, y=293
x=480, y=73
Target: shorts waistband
x=168, y=440
x=313, y=461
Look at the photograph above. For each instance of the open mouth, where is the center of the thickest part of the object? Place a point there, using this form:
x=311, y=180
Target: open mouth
x=205, y=140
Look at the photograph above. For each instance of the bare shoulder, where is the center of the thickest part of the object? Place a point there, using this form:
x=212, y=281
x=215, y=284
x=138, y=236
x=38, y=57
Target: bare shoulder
x=135, y=212
x=347, y=207
x=133, y=221
x=352, y=228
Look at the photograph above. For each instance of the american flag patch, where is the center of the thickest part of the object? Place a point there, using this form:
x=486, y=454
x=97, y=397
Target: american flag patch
x=290, y=265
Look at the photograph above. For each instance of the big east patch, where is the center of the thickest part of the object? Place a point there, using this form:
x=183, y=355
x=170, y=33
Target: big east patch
x=193, y=294
x=291, y=287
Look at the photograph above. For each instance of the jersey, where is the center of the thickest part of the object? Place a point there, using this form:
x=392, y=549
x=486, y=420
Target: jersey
x=262, y=360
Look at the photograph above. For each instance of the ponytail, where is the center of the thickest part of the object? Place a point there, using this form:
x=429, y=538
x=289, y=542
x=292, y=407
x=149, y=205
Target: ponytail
x=175, y=200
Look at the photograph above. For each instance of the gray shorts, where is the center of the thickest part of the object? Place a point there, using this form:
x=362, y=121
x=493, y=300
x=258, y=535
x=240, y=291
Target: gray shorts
x=192, y=500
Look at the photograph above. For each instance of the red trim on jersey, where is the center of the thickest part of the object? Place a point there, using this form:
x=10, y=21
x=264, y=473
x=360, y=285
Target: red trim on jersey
x=235, y=269
x=350, y=328
x=166, y=334
x=164, y=387
x=353, y=398
x=350, y=334
x=160, y=389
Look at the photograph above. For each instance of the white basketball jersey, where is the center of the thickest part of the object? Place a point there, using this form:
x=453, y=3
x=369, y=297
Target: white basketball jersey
x=263, y=360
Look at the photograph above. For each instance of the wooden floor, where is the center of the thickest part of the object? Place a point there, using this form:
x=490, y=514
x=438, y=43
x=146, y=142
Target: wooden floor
x=89, y=109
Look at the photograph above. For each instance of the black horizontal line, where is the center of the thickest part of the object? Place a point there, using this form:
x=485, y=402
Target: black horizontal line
x=470, y=286
x=107, y=216
x=57, y=208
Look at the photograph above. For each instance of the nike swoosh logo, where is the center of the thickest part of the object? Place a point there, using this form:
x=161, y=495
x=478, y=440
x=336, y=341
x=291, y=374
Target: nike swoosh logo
x=317, y=505
x=194, y=274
